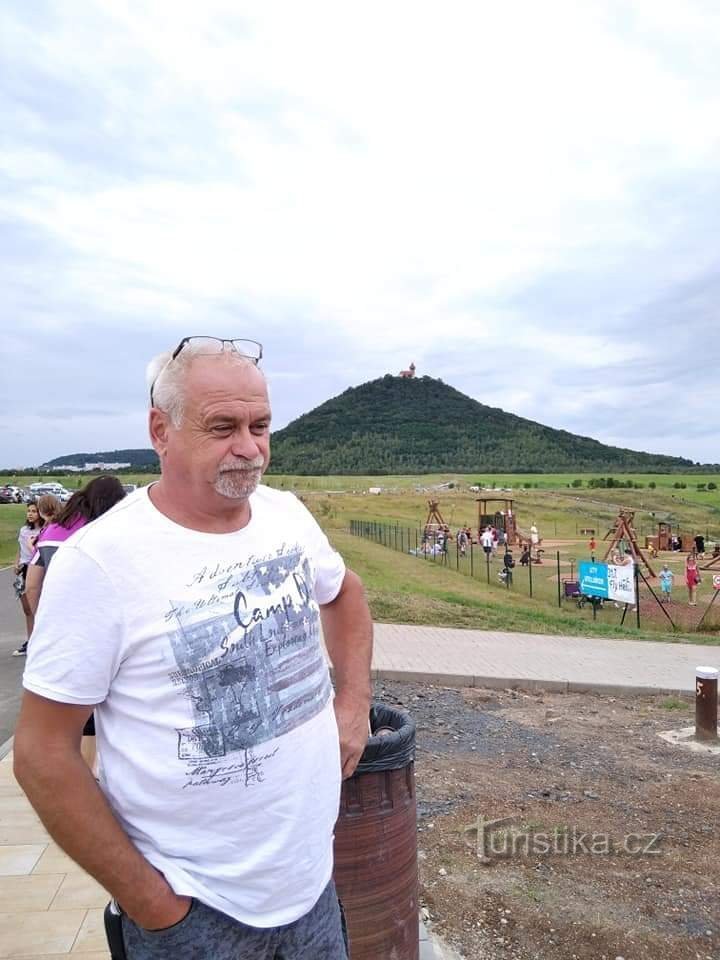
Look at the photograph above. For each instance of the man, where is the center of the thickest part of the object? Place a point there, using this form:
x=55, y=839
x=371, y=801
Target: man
x=189, y=616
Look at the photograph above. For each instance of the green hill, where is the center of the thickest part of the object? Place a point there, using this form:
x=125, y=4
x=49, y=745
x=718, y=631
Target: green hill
x=404, y=426
x=138, y=459
x=396, y=426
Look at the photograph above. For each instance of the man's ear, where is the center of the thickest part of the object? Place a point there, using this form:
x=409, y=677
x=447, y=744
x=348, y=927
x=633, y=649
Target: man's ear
x=159, y=427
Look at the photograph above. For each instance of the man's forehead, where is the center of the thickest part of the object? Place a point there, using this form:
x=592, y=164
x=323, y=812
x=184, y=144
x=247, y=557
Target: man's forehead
x=211, y=379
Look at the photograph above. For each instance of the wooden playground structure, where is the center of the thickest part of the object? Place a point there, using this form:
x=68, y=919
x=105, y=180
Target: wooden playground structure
x=623, y=539
x=502, y=519
x=435, y=522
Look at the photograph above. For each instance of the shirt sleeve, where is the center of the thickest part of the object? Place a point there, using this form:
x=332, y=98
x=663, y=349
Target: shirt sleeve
x=328, y=566
x=75, y=648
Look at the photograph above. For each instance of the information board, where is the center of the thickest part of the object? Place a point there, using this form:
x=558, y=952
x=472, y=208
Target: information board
x=608, y=581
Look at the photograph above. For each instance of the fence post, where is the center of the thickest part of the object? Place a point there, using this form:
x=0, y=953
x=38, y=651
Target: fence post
x=472, y=562
x=637, y=594
x=558, y=579
x=487, y=562
x=530, y=575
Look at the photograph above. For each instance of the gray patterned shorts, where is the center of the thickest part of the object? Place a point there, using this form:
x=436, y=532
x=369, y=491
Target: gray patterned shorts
x=207, y=934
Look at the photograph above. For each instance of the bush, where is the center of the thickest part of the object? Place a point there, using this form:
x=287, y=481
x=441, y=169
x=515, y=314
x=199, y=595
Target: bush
x=577, y=483
x=652, y=484
x=712, y=485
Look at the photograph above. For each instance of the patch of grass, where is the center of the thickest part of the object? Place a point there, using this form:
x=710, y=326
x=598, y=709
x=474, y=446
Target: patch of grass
x=674, y=703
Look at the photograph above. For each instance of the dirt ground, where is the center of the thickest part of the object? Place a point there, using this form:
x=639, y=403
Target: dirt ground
x=613, y=845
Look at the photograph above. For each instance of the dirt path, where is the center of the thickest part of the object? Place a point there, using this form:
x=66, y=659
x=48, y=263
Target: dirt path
x=613, y=848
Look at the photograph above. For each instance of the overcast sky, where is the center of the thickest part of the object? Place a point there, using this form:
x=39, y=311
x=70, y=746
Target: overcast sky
x=521, y=197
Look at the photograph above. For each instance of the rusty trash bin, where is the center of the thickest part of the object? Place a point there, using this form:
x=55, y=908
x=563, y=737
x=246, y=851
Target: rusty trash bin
x=376, y=843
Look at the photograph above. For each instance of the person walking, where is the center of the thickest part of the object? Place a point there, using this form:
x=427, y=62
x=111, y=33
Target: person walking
x=189, y=618
x=692, y=579
x=48, y=508
x=26, y=548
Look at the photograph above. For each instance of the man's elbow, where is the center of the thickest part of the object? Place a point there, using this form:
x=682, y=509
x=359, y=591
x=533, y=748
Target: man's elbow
x=23, y=755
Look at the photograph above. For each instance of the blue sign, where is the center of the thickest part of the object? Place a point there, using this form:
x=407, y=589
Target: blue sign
x=593, y=579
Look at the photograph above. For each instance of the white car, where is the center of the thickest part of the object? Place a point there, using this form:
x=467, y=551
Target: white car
x=56, y=489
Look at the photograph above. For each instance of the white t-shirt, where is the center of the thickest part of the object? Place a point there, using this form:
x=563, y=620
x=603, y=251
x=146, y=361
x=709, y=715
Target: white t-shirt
x=486, y=538
x=216, y=732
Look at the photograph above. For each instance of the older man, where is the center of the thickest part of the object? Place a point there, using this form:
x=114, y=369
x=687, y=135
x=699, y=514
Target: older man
x=189, y=618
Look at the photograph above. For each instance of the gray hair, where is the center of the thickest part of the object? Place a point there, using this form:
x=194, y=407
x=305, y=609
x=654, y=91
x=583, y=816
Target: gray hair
x=166, y=378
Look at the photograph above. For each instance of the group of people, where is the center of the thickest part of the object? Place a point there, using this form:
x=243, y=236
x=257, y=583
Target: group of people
x=48, y=523
x=187, y=618
x=692, y=580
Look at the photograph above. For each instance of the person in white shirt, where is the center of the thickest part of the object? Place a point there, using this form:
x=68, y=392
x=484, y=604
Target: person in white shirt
x=488, y=541
x=188, y=617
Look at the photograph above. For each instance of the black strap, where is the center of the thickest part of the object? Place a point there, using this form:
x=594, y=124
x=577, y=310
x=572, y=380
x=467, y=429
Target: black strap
x=114, y=934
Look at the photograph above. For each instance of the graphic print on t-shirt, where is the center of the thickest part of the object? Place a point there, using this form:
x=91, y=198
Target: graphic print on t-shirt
x=249, y=660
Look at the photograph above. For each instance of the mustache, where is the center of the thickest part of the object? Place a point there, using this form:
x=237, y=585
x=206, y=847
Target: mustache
x=257, y=463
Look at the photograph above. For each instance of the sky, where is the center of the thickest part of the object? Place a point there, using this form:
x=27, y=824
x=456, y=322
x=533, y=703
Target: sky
x=522, y=198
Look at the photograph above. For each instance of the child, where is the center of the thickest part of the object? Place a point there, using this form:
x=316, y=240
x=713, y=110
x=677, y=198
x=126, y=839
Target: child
x=509, y=563
x=666, y=583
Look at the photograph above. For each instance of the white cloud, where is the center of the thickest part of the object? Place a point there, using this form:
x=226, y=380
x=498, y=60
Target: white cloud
x=393, y=174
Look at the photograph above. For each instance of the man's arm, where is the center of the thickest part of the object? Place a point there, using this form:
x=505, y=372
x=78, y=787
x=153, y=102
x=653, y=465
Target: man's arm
x=347, y=627
x=50, y=769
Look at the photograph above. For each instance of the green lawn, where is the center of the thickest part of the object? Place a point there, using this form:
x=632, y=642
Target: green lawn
x=404, y=589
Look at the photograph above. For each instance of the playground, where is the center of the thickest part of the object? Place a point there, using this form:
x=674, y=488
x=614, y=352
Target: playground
x=572, y=526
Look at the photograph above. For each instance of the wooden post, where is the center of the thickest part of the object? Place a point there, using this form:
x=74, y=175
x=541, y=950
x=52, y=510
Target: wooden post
x=558, y=579
x=706, y=703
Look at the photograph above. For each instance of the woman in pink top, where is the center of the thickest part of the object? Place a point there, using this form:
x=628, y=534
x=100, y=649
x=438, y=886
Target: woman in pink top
x=692, y=578
x=84, y=506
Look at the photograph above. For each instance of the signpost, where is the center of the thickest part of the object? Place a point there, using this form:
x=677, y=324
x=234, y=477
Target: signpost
x=608, y=581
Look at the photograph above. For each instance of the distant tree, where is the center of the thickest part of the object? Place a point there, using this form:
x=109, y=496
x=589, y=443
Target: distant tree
x=652, y=484
x=712, y=485
x=577, y=483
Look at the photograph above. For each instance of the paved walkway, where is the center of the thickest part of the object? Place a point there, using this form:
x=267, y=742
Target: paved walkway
x=566, y=664
x=50, y=909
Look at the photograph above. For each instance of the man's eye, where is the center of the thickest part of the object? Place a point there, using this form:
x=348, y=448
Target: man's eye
x=259, y=427
x=222, y=429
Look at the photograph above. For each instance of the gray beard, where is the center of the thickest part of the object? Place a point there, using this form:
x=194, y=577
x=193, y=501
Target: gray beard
x=237, y=484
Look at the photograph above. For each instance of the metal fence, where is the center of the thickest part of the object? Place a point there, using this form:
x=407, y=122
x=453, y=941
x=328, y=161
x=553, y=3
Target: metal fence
x=549, y=578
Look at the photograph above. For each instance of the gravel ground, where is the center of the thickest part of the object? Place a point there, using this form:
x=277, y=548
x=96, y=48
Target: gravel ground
x=612, y=842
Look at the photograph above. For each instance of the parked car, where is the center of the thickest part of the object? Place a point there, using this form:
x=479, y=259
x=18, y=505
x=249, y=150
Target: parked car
x=6, y=495
x=56, y=489
x=129, y=487
x=15, y=493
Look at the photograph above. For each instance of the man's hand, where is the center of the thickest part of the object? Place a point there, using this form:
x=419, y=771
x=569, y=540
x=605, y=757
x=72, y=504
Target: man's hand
x=352, y=719
x=159, y=915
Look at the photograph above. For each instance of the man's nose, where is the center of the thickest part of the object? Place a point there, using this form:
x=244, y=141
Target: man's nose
x=244, y=445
